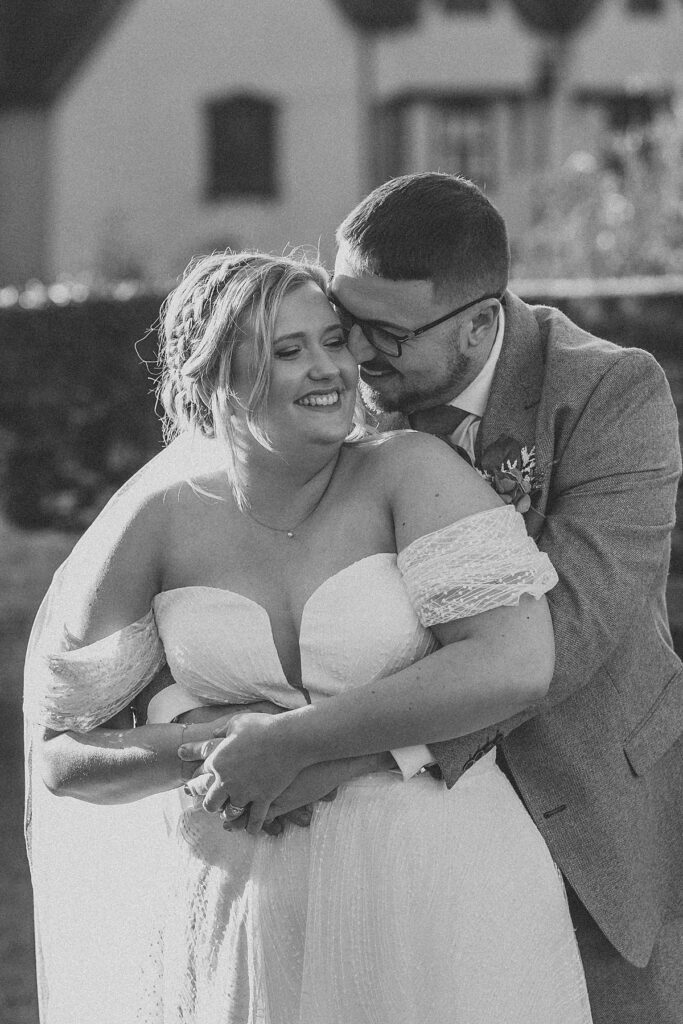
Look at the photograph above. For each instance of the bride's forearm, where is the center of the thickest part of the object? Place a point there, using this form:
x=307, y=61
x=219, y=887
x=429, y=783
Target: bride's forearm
x=205, y=713
x=109, y=766
x=459, y=689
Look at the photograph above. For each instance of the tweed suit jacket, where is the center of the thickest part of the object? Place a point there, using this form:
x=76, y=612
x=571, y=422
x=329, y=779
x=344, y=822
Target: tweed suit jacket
x=599, y=763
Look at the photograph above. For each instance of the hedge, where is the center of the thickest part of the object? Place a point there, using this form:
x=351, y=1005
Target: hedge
x=77, y=409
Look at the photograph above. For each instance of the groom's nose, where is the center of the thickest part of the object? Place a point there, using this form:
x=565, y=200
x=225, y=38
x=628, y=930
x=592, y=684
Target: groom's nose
x=359, y=346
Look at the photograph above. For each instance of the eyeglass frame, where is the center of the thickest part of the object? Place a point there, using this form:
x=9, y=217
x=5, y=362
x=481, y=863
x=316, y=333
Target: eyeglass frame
x=400, y=341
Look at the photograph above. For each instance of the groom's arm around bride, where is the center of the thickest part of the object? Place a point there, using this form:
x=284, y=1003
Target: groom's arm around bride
x=599, y=763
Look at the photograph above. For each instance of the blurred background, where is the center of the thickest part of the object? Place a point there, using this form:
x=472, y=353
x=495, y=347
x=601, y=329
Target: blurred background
x=137, y=133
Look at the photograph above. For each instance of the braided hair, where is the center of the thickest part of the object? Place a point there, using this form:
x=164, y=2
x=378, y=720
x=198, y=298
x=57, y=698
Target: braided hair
x=221, y=300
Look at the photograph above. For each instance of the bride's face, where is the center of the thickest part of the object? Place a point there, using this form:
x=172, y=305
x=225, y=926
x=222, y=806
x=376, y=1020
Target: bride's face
x=313, y=376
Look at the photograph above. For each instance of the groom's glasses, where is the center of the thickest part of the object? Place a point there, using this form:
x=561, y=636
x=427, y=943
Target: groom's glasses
x=382, y=339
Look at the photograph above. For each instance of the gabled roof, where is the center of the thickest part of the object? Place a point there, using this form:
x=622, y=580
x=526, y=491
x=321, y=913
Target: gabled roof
x=43, y=42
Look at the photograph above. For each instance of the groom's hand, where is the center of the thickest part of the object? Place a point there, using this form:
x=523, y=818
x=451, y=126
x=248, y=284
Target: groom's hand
x=300, y=816
x=319, y=782
x=295, y=804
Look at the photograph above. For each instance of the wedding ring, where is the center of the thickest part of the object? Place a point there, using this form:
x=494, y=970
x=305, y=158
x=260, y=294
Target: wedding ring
x=231, y=811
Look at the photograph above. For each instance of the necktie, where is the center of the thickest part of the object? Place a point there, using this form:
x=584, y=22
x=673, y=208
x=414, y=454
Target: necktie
x=441, y=420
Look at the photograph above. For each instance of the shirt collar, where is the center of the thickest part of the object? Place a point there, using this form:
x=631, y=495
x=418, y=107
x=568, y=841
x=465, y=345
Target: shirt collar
x=475, y=396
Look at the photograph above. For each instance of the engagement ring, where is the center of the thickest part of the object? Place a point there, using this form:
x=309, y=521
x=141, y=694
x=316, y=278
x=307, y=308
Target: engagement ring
x=231, y=811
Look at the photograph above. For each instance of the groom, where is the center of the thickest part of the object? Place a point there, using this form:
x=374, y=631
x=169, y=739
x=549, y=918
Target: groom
x=582, y=436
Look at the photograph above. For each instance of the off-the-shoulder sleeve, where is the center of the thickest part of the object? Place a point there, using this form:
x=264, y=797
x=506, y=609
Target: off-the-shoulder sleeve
x=484, y=561
x=80, y=687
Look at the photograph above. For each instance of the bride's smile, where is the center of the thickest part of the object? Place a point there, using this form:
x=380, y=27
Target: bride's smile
x=320, y=399
x=313, y=376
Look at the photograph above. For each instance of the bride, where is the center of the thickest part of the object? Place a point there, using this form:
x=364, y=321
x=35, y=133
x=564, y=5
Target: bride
x=377, y=592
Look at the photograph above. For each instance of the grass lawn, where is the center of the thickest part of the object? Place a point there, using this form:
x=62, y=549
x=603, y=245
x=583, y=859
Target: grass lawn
x=27, y=561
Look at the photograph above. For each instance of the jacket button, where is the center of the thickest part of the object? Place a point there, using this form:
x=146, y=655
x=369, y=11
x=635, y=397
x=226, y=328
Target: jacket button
x=555, y=810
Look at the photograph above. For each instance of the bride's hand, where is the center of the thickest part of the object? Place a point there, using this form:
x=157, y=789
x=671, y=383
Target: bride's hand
x=249, y=766
x=196, y=735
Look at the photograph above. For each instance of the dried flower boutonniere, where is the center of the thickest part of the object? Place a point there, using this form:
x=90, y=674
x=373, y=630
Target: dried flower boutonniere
x=510, y=468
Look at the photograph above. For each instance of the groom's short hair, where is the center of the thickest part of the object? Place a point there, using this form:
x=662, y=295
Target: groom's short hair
x=429, y=227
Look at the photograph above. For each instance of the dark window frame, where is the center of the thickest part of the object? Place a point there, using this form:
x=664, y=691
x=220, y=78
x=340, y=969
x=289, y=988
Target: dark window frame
x=479, y=7
x=241, y=147
x=625, y=111
x=481, y=106
x=645, y=7
x=392, y=138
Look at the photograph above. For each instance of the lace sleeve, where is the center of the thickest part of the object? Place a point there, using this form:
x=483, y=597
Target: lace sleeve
x=78, y=687
x=484, y=561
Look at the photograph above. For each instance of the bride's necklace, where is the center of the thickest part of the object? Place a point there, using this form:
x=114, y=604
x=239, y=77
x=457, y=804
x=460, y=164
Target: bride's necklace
x=291, y=531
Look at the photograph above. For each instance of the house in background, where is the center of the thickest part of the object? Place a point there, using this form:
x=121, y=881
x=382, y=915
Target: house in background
x=42, y=47
x=180, y=126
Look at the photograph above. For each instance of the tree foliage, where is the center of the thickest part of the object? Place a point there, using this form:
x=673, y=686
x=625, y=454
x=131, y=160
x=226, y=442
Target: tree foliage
x=380, y=15
x=555, y=17
x=615, y=216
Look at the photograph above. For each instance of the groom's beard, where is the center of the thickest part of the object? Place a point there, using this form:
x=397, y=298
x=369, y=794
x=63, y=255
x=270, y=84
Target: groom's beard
x=398, y=392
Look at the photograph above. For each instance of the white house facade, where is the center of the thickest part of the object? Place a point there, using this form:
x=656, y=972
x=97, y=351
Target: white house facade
x=196, y=124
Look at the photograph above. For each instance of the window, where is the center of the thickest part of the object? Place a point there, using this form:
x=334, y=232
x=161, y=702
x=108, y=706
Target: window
x=632, y=112
x=628, y=126
x=242, y=141
x=462, y=139
x=466, y=6
x=420, y=132
x=644, y=6
x=622, y=112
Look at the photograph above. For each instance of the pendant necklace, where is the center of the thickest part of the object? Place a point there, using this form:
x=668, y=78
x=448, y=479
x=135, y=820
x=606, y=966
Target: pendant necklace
x=291, y=531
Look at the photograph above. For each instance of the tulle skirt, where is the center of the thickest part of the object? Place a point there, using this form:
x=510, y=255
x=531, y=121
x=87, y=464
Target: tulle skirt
x=403, y=902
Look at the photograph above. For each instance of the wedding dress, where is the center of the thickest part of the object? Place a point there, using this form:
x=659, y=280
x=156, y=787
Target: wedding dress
x=402, y=902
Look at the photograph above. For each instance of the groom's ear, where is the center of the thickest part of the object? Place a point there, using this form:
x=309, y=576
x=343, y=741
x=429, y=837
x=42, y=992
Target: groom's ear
x=483, y=323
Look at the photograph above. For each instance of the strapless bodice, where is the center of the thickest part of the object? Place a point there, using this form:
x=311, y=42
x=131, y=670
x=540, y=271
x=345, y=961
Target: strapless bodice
x=368, y=620
x=358, y=625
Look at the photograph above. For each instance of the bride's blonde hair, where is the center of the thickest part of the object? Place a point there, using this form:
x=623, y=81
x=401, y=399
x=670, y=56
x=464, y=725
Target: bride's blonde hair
x=221, y=300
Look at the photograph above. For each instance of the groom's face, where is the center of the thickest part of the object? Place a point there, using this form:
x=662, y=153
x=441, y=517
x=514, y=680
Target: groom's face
x=432, y=368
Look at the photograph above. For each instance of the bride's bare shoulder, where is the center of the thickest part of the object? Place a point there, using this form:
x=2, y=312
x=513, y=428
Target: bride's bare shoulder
x=124, y=548
x=397, y=452
x=426, y=484
x=186, y=466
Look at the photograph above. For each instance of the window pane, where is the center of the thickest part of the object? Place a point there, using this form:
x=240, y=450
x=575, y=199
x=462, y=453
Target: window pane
x=625, y=113
x=466, y=6
x=452, y=134
x=462, y=141
x=644, y=6
x=241, y=147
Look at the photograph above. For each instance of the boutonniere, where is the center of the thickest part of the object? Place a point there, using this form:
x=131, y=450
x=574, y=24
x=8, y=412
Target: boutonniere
x=510, y=468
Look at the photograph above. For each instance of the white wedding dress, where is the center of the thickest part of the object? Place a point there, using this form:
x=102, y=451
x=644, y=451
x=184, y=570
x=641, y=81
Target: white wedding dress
x=403, y=901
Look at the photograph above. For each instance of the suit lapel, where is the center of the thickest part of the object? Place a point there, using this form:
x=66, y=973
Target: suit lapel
x=513, y=405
